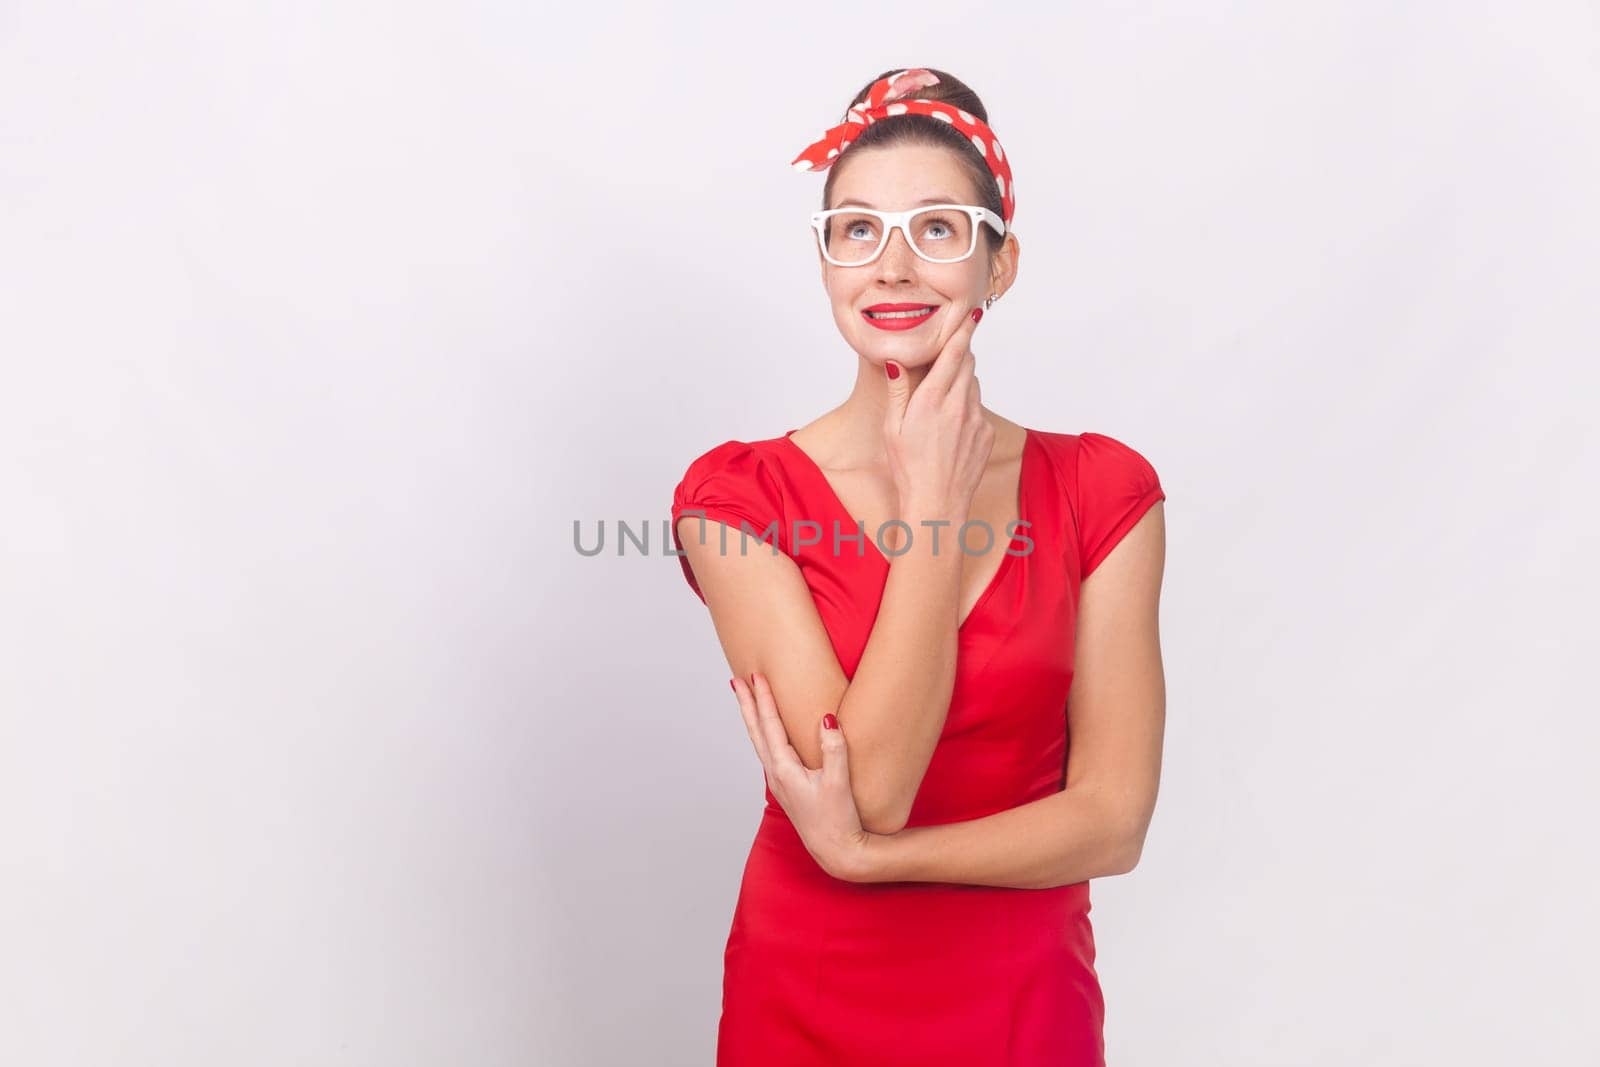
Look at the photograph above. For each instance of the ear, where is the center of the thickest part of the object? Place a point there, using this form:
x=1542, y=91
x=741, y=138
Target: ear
x=1003, y=267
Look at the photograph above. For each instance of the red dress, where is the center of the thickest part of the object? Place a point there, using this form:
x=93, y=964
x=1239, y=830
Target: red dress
x=827, y=972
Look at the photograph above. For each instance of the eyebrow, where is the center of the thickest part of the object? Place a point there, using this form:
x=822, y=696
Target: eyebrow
x=919, y=203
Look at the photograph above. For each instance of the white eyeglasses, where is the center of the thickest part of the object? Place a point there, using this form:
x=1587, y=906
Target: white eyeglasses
x=939, y=233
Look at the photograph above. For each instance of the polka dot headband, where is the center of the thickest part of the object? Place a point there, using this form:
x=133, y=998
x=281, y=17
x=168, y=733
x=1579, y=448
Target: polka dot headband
x=824, y=152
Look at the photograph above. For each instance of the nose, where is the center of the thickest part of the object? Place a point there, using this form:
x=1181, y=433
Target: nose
x=897, y=260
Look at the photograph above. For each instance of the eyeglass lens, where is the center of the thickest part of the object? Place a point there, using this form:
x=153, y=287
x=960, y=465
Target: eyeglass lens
x=939, y=234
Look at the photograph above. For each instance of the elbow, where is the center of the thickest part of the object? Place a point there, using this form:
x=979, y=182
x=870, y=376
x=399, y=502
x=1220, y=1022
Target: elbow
x=1126, y=850
x=883, y=809
x=882, y=817
x=1123, y=861
x=884, y=827
x=888, y=823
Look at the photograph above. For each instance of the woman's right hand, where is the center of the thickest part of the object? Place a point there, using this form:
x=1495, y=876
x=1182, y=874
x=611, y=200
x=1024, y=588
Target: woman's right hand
x=936, y=437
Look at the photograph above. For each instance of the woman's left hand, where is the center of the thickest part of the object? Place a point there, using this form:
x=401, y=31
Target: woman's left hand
x=818, y=803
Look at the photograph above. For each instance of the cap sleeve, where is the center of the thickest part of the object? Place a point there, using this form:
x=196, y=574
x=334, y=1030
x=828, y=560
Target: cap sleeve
x=1116, y=486
x=730, y=484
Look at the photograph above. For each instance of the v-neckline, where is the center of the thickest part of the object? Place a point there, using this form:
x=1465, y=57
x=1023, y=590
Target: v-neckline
x=871, y=540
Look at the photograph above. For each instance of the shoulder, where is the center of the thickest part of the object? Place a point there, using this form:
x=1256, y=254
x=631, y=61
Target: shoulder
x=731, y=482
x=732, y=463
x=736, y=483
x=1089, y=457
x=1102, y=457
x=728, y=455
x=1108, y=485
x=1089, y=449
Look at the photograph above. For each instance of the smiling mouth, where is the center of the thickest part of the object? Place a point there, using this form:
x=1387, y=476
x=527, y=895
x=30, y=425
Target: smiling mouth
x=917, y=314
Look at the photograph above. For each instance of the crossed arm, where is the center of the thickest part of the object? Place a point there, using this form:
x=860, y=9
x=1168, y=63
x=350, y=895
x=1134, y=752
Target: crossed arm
x=893, y=711
x=894, y=708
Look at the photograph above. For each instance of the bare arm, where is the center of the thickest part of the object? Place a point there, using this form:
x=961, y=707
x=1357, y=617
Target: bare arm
x=896, y=704
x=896, y=709
x=1096, y=825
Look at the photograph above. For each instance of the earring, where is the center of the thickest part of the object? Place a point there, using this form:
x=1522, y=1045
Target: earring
x=989, y=303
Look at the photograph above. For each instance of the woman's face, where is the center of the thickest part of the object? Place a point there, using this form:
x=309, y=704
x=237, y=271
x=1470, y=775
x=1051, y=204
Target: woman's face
x=899, y=178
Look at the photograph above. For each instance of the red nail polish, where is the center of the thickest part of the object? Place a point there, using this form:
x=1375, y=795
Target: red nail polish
x=829, y=722
x=893, y=371
x=977, y=314
x=733, y=687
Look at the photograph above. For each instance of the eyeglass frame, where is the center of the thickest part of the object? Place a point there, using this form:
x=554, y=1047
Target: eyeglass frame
x=902, y=220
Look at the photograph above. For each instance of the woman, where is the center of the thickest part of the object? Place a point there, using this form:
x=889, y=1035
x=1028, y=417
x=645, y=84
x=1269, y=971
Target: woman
x=921, y=895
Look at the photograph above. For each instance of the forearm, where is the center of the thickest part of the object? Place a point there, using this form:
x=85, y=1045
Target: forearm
x=1061, y=839
x=895, y=707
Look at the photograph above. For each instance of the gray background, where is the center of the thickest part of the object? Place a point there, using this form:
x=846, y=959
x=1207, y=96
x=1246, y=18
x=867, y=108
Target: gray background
x=319, y=743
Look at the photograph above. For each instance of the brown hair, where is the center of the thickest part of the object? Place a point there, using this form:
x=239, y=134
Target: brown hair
x=926, y=130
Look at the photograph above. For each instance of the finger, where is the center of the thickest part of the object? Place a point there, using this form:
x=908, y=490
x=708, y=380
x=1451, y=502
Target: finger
x=945, y=364
x=899, y=397
x=752, y=724
x=944, y=368
x=974, y=398
x=781, y=754
x=835, y=756
x=961, y=382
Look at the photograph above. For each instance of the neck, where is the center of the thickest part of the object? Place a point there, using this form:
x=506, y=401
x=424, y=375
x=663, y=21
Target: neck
x=852, y=433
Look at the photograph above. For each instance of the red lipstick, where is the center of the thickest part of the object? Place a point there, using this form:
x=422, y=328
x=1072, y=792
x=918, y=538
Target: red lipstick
x=898, y=316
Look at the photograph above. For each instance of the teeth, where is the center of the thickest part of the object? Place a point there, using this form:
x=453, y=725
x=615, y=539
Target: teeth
x=900, y=314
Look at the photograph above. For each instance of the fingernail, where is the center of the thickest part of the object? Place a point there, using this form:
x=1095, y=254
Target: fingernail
x=977, y=314
x=829, y=722
x=892, y=370
x=733, y=687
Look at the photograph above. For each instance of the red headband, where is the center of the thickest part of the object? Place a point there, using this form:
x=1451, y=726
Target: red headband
x=823, y=153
